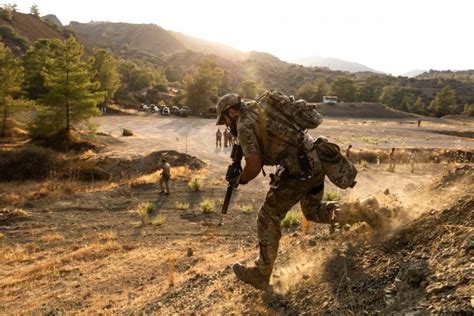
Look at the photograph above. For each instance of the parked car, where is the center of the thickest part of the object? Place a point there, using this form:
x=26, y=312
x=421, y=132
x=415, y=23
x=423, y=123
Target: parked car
x=174, y=110
x=211, y=113
x=183, y=112
x=165, y=111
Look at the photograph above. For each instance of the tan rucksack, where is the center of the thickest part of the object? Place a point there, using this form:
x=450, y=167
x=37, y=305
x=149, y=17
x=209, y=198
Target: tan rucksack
x=288, y=120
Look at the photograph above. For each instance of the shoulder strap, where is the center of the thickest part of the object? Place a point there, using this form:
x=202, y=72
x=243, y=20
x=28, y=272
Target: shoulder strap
x=262, y=122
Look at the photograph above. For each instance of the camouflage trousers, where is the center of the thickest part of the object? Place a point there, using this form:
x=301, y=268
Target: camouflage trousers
x=284, y=193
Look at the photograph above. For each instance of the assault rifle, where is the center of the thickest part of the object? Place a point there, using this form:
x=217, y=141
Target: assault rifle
x=233, y=171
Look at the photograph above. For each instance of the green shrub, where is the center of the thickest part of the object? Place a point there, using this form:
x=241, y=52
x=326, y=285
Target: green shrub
x=145, y=209
x=195, y=184
x=7, y=32
x=127, y=132
x=181, y=205
x=246, y=209
x=207, y=206
x=364, y=163
x=332, y=196
x=292, y=218
x=158, y=220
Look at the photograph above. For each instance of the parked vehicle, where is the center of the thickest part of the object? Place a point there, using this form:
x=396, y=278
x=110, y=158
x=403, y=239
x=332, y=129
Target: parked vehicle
x=174, y=110
x=165, y=111
x=211, y=113
x=183, y=112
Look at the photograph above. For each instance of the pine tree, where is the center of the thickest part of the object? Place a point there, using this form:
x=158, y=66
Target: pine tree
x=443, y=103
x=35, y=10
x=105, y=67
x=36, y=63
x=70, y=98
x=419, y=106
x=202, y=86
x=344, y=88
x=11, y=77
x=313, y=91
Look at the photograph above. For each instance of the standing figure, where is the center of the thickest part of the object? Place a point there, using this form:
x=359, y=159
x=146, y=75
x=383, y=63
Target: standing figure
x=226, y=139
x=218, y=138
x=411, y=160
x=348, y=152
x=391, y=161
x=165, y=177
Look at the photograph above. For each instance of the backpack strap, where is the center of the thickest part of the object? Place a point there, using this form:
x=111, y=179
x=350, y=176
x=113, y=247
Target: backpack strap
x=262, y=123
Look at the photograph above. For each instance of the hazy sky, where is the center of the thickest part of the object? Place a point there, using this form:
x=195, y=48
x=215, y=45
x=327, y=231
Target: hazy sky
x=393, y=36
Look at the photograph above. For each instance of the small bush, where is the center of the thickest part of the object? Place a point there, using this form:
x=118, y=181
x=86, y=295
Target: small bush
x=145, y=209
x=207, y=206
x=292, y=218
x=195, y=184
x=246, y=209
x=332, y=196
x=181, y=205
x=158, y=220
x=127, y=132
x=370, y=140
x=364, y=163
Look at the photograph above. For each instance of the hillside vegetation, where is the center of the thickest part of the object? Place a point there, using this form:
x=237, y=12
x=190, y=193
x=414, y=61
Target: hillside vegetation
x=158, y=66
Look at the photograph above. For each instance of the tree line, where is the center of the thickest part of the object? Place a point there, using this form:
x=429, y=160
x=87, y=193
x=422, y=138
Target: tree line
x=386, y=91
x=60, y=85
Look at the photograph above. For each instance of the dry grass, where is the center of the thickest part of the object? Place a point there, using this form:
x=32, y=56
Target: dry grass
x=12, y=254
x=158, y=220
x=40, y=268
x=107, y=235
x=292, y=218
x=246, y=209
x=52, y=189
x=51, y=237
x=145, y=209
x=146, y=179
x=180, y=172
x=195, y=184
x=332, y=196
x=181, y=205
x=207, y=206
x=171, y=261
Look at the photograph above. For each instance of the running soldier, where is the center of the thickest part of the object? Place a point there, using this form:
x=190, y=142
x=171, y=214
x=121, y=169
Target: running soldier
x=288, y=185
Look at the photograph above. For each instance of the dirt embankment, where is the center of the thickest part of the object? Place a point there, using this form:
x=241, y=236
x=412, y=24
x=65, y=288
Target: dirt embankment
x=361, y=110
x=424, y=267
x=37, y=163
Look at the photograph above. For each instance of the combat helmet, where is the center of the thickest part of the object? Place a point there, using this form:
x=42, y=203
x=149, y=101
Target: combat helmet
x=225, y=103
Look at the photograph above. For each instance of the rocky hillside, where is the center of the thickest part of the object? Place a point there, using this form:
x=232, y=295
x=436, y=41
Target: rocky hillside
x=24, y=29
x=143, y=37
x=333, y=64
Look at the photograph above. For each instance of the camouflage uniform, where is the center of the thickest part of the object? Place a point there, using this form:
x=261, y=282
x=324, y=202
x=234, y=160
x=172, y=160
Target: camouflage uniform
x=285, y=191
x=165, y=178
x=218, y=138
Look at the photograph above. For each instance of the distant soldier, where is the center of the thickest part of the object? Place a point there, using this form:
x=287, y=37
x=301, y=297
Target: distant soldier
x=218, y=138
x=165, y=177
x=227, y=138
x=348, y=152
x=411, y=160
x=419, y=122
x=391, y=160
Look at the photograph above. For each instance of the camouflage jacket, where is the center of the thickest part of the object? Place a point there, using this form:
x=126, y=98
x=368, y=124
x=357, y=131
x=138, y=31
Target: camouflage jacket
x=284, y=142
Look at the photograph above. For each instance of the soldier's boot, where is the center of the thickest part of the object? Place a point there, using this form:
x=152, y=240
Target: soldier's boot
x=251, y=276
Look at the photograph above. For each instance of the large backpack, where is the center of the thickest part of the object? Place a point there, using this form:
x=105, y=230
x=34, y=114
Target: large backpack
x=288, y=120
